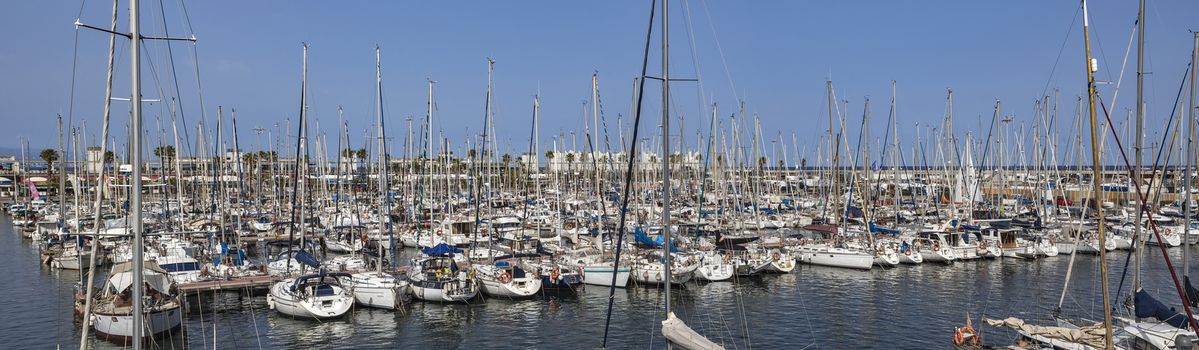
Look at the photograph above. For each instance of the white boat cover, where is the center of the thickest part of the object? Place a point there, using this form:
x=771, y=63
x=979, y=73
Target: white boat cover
x=1092, y=335
x=156, y=277
x=682, y=336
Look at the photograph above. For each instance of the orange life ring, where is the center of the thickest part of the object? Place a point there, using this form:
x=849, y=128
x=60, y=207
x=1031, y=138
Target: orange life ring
x=555, y=275
x=776, y=256
x=908, y=252
x=505, y=277
x=570, y=226
x=964, y=335
x=936, y=247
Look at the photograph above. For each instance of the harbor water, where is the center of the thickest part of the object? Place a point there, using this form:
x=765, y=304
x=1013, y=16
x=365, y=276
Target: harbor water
x=908, y=307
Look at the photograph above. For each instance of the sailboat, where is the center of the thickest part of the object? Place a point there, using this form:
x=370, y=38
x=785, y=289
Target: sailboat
x=440, y=275
x=319, y=295
x=378, y=288
x=113, y=314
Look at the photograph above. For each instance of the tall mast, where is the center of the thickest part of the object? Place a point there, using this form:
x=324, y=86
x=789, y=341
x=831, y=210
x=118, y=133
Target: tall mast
x=297, y=206
x=1091, y=66
x=135, y=139
x=896, y=153
x=383, y=155
x=595, y=133
x=832, y=152
x=1186, y=229
x=62, y=182
x=1136, y=171
x=666, y=149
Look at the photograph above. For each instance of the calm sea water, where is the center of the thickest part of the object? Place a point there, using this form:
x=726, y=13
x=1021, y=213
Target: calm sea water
x=909, y=307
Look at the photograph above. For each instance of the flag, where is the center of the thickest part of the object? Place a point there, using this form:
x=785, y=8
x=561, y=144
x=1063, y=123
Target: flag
x=33, y=190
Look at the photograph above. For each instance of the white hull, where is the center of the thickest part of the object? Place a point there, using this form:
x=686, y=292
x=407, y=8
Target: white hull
x=456, y=293
x=654, y=274
x=837, y=258
x=72, y=262
x=886, y=259
x=938, y=255
x=517, y=288
x=288, y=303
x=121, y=326
x=911, y=257
x=601, y=275
x=378, y=290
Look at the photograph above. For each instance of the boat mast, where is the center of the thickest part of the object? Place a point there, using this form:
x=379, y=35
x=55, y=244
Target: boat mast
x=297, y=207
x=1136, y=171
x=1091, y=66
x=384, y=187
x=97, y=223
x=1186, y=229
x=135, y=139
x=666, y=149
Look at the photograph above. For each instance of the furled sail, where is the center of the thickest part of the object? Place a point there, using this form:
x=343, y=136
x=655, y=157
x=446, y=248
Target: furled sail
x=683, y=336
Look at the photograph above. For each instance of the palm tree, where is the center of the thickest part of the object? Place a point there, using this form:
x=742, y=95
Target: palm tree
x=163, y=153
x=50, y=156
x=250, y=159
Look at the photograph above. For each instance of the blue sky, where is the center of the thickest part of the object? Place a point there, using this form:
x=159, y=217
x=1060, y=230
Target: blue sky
x=776, y=55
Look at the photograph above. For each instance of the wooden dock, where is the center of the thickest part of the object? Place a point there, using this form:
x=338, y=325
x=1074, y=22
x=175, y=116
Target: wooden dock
x=234, y=284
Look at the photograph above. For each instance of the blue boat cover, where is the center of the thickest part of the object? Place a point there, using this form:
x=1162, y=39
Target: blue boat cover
x=652, y=242
x=307, y=259
x=883, y=230
x=441, y=250
x=1147, y=306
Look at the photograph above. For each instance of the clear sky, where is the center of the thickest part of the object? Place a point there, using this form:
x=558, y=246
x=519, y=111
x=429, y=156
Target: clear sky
x=775, y=55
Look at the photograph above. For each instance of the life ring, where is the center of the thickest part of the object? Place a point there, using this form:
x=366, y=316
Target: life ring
x=982, y=244
x=555, y=275
x=505, y=277
x=776, y=256
x=438, y=231
x=964, y=335
x=570, y=226
x=907, y=252
x=936, y=247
